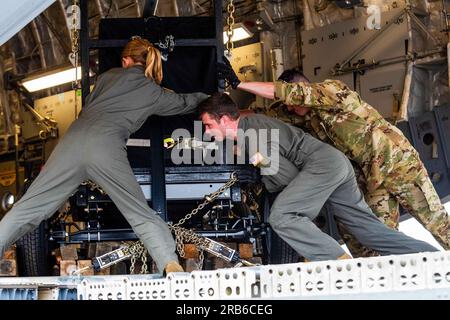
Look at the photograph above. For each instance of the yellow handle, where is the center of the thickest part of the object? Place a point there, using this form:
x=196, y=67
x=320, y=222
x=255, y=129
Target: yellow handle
x=169, y=143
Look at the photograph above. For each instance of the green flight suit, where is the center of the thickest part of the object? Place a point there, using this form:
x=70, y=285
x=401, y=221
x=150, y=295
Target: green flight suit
x=94, y=148
x=324, y=175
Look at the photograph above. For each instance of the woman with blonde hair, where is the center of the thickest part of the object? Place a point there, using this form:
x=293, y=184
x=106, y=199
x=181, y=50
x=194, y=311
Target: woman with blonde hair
x=94, y=148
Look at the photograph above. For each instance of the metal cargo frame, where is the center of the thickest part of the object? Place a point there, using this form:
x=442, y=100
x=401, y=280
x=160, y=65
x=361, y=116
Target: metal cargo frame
x=158, y=192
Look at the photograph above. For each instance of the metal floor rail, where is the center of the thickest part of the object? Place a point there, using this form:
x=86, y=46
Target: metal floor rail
x=412, y=276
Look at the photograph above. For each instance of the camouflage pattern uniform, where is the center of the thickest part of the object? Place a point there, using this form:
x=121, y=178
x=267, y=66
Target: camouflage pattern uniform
x=392, y=169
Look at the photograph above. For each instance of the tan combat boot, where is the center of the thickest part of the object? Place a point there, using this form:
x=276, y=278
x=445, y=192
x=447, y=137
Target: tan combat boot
x=173, y=266
x=344, y=256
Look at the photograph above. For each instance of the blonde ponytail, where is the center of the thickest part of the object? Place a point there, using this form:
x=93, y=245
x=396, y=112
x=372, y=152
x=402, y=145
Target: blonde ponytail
x=153, y=69
x=143, y=52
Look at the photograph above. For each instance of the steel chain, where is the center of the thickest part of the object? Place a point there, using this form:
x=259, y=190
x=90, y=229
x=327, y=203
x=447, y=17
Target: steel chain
x=144, y=269
x=230, y=30
x=182, y=235
x=75, y=38
x=208, y=199
x=137, y=250
x=75, y=44
x=133, y=263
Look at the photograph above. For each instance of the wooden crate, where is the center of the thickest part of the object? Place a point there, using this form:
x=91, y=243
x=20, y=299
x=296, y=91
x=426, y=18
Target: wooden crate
x=8, y=268
x=69, y=252
x=8, y=263
x=245, y=250
x=85, y=263
x=67, y=267
x=10, y=253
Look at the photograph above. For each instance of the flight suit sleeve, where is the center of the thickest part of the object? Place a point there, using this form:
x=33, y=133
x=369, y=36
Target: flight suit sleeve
x=97, y=89
x=327, y=95
x=171, y=103
x=276, y=170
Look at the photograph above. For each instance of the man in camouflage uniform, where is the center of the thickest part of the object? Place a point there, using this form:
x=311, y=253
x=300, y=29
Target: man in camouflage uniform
x=393, y=171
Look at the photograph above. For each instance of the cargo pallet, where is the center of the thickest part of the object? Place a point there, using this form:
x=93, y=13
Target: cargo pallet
x=411, y=276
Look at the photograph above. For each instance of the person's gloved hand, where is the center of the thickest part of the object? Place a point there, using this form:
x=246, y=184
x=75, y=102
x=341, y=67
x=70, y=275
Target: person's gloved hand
x=225, y=71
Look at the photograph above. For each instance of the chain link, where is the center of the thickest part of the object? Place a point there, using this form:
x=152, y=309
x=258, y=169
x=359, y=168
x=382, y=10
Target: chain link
x=133, y=264
x=182, y=235
x=230, y=28
x=75, y=36
x=75, y=54
x=208, y=199
x=138, y=250
x=144, y=262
